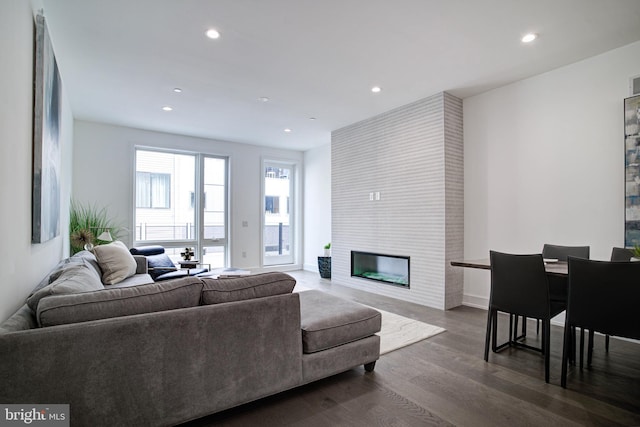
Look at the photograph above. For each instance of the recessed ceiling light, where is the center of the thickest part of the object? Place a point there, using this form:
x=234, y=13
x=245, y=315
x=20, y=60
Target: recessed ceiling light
x=528, y=38
x=376, y=89
x=177, y=90
x=263, y=99
x=167, y=108
x=312, y=118
x=212, y=34
x=287, y=130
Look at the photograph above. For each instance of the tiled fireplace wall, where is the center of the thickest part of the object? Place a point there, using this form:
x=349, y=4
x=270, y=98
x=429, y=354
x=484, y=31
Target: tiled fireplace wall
x=397, y=189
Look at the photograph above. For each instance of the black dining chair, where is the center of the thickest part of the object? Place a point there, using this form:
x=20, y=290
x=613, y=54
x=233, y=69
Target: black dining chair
x=620, y=255
x=603, y=296
x=617, y=254
x=519, y=287
x=562, y=253
x=557, y=285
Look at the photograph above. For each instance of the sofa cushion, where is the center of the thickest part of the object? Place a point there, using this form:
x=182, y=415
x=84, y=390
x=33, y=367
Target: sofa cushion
x=328, y=321
x=21, y=320
x=116, y=262
x=107, y=303
x=216, y=291
x=78, y=276
x=135, y=280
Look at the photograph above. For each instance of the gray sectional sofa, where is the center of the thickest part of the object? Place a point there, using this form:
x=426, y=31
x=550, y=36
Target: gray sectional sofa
x=157, y=354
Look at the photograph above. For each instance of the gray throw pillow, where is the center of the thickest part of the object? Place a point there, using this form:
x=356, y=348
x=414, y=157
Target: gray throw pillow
x=216, y=291
x=77, y=259
x=74, y=278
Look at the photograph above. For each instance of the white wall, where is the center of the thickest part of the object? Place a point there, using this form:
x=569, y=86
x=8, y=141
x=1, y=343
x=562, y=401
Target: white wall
x=544, y=163
x=317, y=204
x=103, y=171
x=24, y=264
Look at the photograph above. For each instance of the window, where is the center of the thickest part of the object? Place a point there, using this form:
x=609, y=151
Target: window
x=272, y=204
x=192, y=190
x=153, y=190
x=215, y=198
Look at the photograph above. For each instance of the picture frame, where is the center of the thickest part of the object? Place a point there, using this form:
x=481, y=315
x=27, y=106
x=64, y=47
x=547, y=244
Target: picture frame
x=632, y=171
x=46, y=138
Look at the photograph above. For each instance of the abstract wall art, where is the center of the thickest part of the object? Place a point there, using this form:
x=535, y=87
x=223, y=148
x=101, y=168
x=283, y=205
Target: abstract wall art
x=632, y=170
x=46, y=139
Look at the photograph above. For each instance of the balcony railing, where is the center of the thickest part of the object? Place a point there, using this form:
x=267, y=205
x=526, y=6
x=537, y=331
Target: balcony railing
x=147, y=232
x=276, y=237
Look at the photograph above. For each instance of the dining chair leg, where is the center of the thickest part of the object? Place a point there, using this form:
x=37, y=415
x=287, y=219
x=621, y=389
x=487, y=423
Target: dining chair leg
x=487, y=339
x=581, y=347
x=565, y=356
x=513, y=332
x=590, y=348
x=494, y=323
x=546, y=339
x=606, y=343
x=572, y=345
x=515, y=328
x=543, y=347
x=538, y=327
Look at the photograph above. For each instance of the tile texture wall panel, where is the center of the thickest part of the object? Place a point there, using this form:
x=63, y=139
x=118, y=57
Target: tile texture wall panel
x=412, y=156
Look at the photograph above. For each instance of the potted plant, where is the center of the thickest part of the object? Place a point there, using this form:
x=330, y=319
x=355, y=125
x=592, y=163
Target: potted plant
x=327, y=249
x=636, y=253
x=324, y=262
x=86, y=222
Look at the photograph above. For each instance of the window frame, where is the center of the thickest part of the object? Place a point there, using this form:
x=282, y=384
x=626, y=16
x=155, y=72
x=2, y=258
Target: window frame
x=198, y=242
x=292, y=257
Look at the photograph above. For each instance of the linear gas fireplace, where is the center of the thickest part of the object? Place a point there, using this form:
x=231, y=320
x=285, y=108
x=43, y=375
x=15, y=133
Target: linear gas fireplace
x=391, y=269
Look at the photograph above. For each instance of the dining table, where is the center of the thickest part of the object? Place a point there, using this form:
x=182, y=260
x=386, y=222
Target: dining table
x=557, y=274
x=553, y=268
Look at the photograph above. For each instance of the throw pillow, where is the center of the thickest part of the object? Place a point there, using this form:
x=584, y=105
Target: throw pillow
x=160, y=264
x=216, y=291
x=115, y=262
x=74, y=278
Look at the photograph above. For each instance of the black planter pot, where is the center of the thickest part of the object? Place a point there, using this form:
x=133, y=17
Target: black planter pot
x=324, y=266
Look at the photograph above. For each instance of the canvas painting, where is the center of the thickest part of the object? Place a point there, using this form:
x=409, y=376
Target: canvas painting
x=632, y=170
x=46, y=139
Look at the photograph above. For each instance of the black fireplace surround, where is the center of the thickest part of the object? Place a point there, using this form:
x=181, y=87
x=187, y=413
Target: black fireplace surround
x=390, y=269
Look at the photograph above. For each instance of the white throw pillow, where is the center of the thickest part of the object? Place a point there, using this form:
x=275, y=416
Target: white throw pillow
x=116, y=262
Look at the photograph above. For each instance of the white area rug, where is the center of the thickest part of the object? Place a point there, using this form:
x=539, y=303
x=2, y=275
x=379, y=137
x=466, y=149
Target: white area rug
x=399, y=331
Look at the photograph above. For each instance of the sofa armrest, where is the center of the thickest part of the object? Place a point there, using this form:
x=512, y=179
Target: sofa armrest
x=188, y=362
x=142, y=267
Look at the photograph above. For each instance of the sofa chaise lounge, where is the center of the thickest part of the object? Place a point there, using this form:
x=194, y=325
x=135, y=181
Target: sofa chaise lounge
x=164, y=353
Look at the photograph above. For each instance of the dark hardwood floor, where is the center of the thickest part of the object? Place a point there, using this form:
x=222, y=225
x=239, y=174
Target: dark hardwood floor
x=444, y=380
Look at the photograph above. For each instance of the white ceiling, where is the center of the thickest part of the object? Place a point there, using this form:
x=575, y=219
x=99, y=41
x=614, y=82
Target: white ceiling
x=121, y=59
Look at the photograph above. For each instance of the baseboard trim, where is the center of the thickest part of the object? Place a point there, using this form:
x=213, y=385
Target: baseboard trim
x=310, y=267
x=475, y=301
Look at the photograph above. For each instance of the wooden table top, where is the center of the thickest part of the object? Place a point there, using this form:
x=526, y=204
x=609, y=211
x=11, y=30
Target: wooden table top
x=558, y=268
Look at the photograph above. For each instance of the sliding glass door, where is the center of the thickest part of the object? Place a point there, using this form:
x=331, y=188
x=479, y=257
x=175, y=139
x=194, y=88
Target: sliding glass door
x=181, y=201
